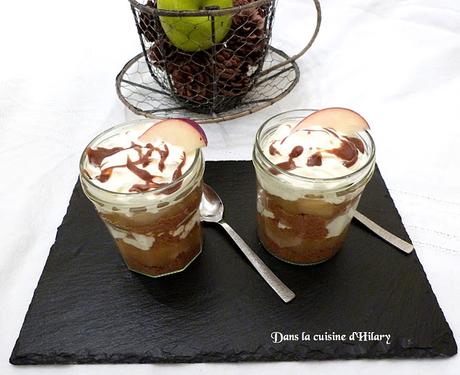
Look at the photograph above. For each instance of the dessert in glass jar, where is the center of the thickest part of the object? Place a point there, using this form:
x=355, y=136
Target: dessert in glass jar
x=311, y=167
x=145, y=181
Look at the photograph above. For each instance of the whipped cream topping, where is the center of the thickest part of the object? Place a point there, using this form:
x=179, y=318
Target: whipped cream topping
x=124, y=164
x=314, y=152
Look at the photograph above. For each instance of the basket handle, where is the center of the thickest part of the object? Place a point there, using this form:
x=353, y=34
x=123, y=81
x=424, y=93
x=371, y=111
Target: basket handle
x=305, y=49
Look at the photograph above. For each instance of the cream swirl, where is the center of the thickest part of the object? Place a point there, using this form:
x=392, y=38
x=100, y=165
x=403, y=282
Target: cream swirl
x=315, y=152
x=124, y=164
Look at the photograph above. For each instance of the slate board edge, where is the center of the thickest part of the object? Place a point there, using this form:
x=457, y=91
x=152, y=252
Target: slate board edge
x=66, y=359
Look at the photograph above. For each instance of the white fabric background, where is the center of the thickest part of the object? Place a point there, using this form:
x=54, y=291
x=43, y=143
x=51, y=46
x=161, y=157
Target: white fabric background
x=396, y=62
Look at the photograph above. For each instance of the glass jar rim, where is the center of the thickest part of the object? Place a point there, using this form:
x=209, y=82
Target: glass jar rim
x=83, y=175
x=265, y=159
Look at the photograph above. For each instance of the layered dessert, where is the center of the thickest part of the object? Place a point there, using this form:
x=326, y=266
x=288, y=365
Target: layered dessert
x=311, y=172
x=145, y=181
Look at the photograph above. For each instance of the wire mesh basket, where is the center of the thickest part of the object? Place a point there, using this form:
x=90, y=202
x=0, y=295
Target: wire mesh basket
x=214, y=63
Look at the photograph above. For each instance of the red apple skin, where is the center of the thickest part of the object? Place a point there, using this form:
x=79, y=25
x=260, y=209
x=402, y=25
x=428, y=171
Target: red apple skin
x=182, y=132
x=337, y=118
x=197, y=127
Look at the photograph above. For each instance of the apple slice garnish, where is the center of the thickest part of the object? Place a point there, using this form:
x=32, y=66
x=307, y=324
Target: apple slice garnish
x=340, y=119
x=181, y=132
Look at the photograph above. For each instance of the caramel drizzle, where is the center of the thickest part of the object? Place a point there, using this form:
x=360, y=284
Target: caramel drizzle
x=97, y=156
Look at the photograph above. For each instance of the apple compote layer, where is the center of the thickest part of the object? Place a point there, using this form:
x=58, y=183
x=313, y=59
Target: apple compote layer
x=304, y=231
x=159, y=243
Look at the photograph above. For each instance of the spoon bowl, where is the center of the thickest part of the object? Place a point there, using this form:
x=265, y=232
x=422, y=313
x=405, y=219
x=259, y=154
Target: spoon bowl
x=212, y=211
x=211, y=206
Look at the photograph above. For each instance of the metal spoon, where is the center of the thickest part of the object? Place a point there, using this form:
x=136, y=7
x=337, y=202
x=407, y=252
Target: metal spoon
x=212, y=211
x=384, y=234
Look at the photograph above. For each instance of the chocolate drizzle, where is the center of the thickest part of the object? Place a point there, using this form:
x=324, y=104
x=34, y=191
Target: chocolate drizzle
x=296, y=152
x=358, y=143
x=144, y=159
x=96, y=157
x=348, y=151
x=315, y=160
x=105, y=174
x=163, y=156
x=141, y=173
x=289, y=164
x=273, y=150
x=178, y=172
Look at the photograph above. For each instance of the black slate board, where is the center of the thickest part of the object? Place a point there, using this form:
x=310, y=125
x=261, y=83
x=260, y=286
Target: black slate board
x=88, y=308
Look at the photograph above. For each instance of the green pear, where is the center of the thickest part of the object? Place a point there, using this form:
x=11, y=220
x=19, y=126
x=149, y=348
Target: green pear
x=194, y=33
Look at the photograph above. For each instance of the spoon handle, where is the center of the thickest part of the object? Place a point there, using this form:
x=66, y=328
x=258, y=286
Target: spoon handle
x=276, y=284
x=384, y=234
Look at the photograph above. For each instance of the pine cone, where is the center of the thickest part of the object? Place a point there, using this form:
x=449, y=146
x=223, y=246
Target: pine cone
x=190, y=77
x=148, y=23
x=261, y=10
x=248, y=37
x=228, y=65
x=231, y=73
x=187, y=71
x=235, y=87
x=161, y=52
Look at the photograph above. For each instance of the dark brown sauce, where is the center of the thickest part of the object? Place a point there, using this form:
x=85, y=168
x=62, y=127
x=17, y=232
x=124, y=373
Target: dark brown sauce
x=178, y=172
x=144, y=159
x=96, y=157
x=348, y=151
x=358, y=143
x=315, y=160
x=138, y=149
x=289, y=165
x=105, y=174
x=150, y=184
x=273, y=150
x=163, y=156
x=296, y=152
x=141, y=173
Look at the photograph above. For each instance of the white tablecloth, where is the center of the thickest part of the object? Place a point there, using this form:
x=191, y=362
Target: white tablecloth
x=396, y=62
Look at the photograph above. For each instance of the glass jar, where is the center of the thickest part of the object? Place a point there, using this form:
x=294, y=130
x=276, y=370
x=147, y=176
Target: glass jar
x=157, y=232
x=303, y=220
